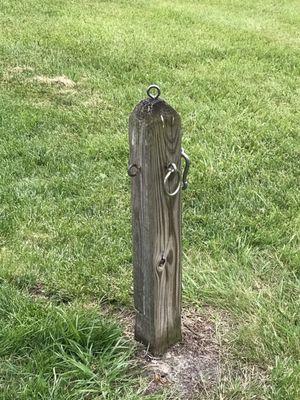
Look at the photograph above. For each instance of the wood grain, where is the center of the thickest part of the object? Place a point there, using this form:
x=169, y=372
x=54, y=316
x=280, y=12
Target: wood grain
x=155, y=142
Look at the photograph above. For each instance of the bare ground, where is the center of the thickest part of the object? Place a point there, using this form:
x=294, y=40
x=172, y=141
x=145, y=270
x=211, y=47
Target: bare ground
x=61, y=81
x=188, y=368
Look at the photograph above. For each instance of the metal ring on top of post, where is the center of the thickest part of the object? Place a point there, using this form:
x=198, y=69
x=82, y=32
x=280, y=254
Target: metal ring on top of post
x=151, y=95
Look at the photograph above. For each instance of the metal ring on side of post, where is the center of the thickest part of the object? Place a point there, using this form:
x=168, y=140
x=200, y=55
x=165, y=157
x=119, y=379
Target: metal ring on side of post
x=172, y=169
x=133, y=169
x=151, y=87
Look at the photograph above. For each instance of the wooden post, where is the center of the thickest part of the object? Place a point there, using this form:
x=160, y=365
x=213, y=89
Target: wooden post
x=155, y=165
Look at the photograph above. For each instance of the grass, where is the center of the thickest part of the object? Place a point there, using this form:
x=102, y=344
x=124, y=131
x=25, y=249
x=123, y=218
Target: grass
x=231, y=70
x=53, y=353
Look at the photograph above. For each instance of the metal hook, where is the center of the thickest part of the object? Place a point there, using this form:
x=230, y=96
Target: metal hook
x=151, y=87
x=186, y=169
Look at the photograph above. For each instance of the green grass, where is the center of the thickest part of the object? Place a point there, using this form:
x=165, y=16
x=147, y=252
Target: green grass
x=231, y=69
x=51, y=353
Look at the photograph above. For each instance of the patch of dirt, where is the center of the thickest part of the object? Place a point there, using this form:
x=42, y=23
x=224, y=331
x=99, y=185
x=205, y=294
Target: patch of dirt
x=191, y=366
x=23, y=71
x=19, y=70
x=188, y=368
x=38, y=290
x=16, y=73
x=62, y=81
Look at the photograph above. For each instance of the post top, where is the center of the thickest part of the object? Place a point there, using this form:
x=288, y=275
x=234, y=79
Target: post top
x=153, y=107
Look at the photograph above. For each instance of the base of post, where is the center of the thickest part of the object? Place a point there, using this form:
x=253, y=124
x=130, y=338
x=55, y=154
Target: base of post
x=154, y=345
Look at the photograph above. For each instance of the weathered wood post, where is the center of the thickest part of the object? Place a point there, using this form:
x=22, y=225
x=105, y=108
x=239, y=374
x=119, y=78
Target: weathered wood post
x=155, y=168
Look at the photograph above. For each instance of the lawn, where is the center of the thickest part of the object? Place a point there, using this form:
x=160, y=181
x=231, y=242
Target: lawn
x=231, y=69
